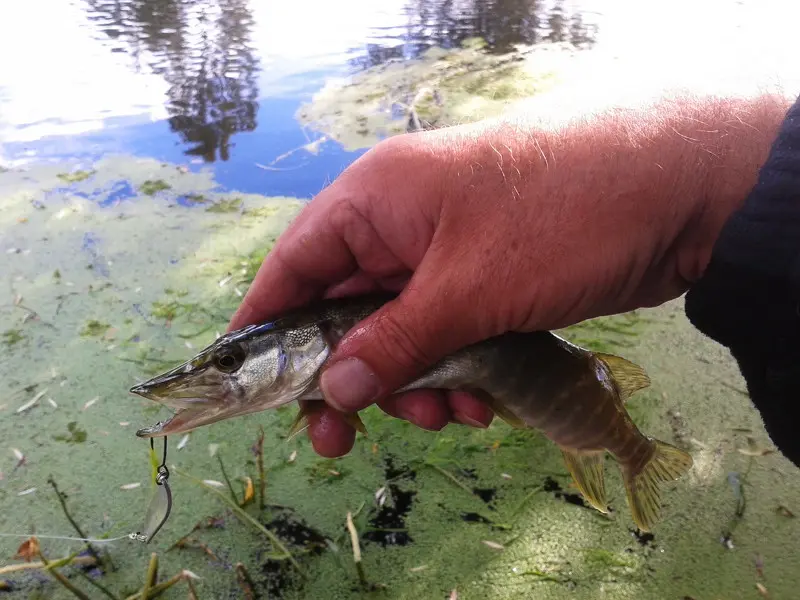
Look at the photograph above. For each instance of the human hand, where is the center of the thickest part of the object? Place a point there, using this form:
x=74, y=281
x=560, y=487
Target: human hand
x=495, y=226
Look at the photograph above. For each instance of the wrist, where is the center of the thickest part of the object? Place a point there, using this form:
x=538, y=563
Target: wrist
x=735, y=140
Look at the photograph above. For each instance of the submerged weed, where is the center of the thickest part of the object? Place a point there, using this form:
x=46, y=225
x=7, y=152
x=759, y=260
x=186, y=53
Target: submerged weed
x=605, y=334
x=12, y=336
x=153, y=186
x=600, y=558
x=262, y=212
x=75, y=176
x=94, y=328
x=77, y=435
x=225, y=206
x=325, y=471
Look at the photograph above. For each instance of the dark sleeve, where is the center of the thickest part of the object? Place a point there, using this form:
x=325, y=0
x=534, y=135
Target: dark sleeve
x=748, y=299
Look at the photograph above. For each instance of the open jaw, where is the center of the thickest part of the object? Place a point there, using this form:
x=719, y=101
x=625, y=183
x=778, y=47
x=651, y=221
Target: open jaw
x=186, y=419
x=180, y=389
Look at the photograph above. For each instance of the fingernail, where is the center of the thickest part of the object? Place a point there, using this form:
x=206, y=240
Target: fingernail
x=462, y=418
x=240, y=317
x=350, y=385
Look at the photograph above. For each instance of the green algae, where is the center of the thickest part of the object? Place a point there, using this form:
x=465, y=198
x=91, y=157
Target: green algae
x=12, y=336
x=229, y=205
x=440, y=88
x=94, y=328
x=75, y=176
x=154, y=186
x=513, y=488
x=75, y=434
x=197, y=198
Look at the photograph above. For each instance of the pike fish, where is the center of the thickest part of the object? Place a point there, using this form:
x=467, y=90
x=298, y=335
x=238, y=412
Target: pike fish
x=539, y=380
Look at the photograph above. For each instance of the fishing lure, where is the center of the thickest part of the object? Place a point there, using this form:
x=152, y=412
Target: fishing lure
x=161, y=503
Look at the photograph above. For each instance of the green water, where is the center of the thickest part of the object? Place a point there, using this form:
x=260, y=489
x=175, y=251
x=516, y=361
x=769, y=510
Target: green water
x=160, y=280
x=97, y=299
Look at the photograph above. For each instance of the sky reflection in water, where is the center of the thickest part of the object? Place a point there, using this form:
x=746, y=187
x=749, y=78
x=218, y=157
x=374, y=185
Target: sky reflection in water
x=216, y=82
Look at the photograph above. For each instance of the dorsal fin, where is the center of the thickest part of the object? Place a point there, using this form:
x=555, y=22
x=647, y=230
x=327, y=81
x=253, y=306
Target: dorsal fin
x=629, y=377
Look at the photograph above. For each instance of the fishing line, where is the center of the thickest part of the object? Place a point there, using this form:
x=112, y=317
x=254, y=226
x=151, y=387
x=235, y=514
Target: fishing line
x=157, y=512
x=64, y=537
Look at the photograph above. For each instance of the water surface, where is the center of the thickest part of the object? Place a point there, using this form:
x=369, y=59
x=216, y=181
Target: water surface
x=151, y=153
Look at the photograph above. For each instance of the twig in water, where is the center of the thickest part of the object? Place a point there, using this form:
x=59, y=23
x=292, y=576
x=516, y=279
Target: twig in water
x=96, y=584
x=192, y=591
x=261, y=478
x=61, y=579
x=524, y=501
x=450, y=476
x=190, y=542
x=159, y=589
x=152, y=575
x=247, y=585
x=32, y=566
x=247, y=518
x=733, y=387
x=362, y=578
x=227, y=481
x=74, y=524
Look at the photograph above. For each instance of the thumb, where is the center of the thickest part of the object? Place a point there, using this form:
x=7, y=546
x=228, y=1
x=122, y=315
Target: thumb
x=395, y=344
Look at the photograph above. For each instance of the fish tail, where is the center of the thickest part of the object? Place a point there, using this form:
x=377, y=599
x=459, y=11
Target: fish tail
x=642, y=488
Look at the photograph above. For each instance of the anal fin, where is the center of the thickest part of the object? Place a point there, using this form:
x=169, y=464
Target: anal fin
x=668, y=463
x=587, y=471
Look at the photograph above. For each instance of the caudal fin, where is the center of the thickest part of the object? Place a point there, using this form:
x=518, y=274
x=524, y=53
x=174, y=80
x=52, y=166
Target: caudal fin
x=668, y=463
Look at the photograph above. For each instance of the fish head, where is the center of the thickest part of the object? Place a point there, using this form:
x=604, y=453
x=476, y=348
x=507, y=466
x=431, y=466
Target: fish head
x=246, y=371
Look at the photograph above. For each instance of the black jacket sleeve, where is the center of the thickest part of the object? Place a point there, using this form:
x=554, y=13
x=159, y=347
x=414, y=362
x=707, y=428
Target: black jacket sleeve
x=748, y=299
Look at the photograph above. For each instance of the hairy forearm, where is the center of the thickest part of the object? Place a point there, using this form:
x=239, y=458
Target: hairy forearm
x=696, y=158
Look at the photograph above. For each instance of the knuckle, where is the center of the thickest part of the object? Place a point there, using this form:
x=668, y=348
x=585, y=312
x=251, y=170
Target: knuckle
x=396, y=341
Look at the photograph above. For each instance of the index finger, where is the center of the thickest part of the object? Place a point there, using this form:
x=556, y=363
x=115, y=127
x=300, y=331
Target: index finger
x=310, y=256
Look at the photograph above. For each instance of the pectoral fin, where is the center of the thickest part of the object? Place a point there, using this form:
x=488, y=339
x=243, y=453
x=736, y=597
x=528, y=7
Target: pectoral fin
x=355, y=422
x=587, y=471
x=300, y=423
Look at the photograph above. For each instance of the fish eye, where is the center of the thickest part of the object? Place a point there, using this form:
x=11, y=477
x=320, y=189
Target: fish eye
x=229, y=358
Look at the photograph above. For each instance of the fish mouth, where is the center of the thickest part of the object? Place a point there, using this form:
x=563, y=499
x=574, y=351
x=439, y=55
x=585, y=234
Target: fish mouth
x=181, y=389
x=186, y=419
x=196, y=393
